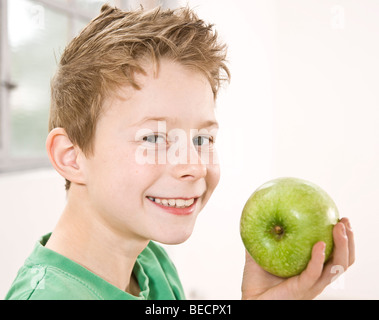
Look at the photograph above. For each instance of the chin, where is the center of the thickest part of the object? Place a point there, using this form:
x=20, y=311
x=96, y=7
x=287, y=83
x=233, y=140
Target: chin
x=175, y=237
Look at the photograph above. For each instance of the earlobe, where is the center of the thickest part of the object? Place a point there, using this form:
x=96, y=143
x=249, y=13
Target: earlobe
x=64, y=156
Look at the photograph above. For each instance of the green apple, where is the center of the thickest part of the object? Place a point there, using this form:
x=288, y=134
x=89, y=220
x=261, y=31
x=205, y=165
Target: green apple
x=281, y=222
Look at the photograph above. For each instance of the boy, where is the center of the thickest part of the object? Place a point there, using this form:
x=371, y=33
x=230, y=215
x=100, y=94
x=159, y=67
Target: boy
x=132, y=130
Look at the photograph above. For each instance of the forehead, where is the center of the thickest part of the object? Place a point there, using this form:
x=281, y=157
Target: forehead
x=174, y=92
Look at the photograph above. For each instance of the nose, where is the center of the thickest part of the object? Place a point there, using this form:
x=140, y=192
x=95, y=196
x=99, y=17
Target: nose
x=192, y=169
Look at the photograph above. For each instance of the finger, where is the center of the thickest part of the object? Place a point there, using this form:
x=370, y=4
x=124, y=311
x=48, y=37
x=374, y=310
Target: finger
x=339, y=259
x=350, y=237
x=341, y=246
x=314, y=269
x=339, y=262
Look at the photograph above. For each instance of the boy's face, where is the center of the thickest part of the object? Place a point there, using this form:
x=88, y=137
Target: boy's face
x=147, y=152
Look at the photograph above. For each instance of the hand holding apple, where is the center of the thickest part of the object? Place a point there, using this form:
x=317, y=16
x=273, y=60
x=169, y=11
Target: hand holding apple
x=281, y=222
x=316, y=274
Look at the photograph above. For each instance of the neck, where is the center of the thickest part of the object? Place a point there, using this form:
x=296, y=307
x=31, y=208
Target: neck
x=84, y=237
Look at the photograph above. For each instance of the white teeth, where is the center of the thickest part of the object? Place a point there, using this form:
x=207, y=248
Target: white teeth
x=178, y=203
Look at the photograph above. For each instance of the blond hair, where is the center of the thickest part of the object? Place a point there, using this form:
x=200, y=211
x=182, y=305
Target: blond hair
x=110, y=50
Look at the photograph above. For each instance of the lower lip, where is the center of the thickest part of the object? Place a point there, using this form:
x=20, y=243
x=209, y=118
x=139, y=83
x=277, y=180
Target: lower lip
x=176, y=211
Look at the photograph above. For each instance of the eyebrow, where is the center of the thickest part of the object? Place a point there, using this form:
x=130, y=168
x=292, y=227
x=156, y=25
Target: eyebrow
x=205, y=124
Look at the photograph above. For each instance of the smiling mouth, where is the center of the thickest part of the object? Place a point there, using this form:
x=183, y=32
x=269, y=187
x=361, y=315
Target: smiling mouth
x=174, y=203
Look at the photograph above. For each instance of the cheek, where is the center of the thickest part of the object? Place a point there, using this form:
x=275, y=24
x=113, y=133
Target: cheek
x=213, y=177
x=130, y=180
x=114, y=173
x=120, y=189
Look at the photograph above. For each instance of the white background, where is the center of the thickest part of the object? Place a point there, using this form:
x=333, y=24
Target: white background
x=303, y=102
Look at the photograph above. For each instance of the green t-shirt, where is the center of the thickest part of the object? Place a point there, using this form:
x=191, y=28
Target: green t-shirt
x=48, y=275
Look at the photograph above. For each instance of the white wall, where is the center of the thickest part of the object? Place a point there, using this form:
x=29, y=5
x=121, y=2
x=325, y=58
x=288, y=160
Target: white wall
x=30, y=205
x=303, y=102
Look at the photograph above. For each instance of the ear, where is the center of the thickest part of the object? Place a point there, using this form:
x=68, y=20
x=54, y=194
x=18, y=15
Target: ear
x=64, y=156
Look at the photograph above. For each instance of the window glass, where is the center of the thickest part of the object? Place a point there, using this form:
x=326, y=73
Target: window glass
x=38, y=32
x=37, y=36
x=91, y=6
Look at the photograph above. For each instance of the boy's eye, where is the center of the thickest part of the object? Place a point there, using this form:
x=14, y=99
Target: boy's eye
x=202, y=140
x=154, y=138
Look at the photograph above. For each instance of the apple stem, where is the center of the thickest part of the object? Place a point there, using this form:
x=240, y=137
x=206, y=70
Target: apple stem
x=278, y=230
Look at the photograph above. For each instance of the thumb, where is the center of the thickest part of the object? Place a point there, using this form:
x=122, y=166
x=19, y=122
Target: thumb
x=315, y=266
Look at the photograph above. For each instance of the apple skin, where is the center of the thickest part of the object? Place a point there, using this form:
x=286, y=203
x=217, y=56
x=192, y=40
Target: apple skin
x=282, y=220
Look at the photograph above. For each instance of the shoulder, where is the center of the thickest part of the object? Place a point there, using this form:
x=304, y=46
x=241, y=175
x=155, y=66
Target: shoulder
x=38, y=282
